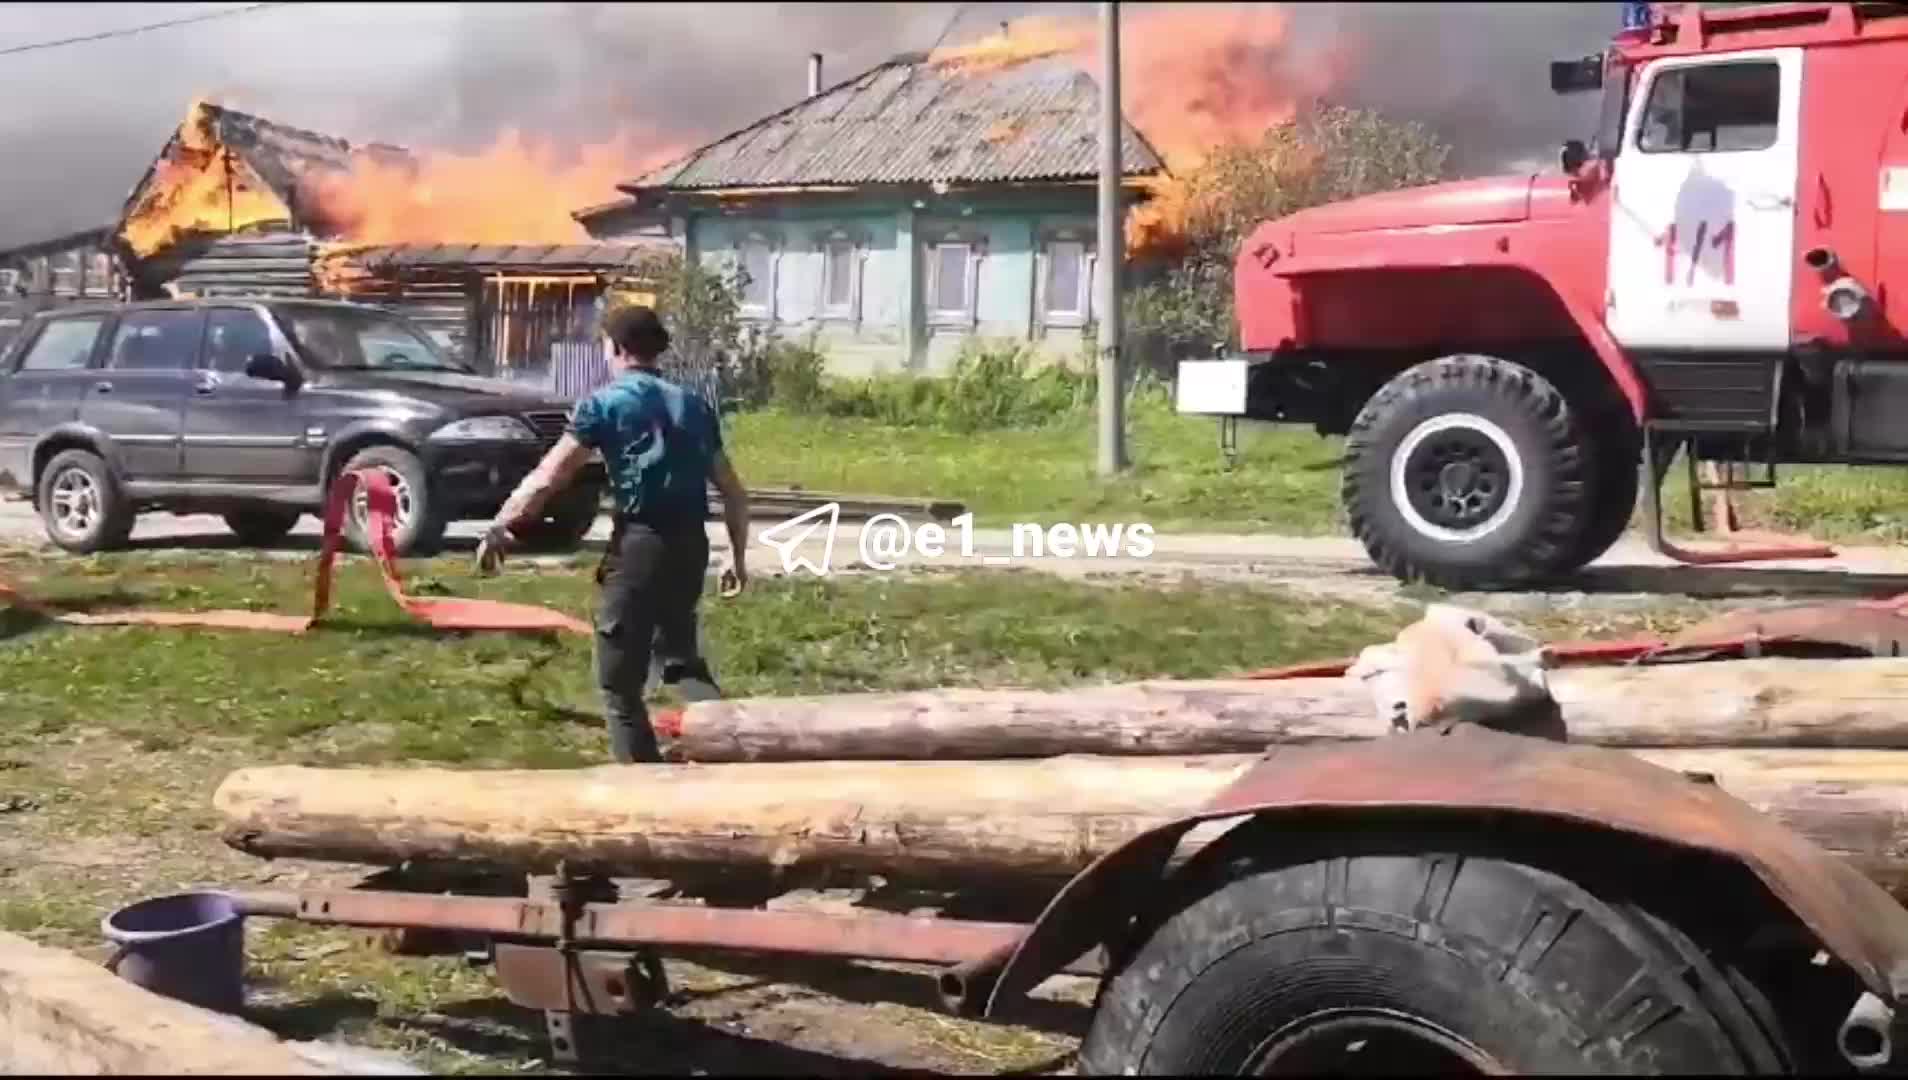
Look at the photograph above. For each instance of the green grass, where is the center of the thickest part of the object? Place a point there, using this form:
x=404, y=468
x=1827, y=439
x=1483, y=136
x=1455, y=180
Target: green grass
x=375, y=686
x=1286, y=480
x=1285, y=483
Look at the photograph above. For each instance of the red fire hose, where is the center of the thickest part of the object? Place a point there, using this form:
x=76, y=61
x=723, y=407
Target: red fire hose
x=449, y=613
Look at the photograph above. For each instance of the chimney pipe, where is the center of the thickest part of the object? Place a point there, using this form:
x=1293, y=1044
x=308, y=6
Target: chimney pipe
x=814, y=74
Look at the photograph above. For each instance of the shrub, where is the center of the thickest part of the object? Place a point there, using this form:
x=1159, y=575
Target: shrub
x=993, y=385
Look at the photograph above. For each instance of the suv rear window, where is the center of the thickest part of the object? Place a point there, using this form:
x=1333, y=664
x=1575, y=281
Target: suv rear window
x=360, y=339
x=63, y=344
x=157, y=341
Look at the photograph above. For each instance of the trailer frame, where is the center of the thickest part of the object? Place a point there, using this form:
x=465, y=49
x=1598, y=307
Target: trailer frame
x=580, y=953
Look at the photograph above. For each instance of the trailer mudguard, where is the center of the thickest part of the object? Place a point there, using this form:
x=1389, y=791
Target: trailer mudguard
x=1466, y=768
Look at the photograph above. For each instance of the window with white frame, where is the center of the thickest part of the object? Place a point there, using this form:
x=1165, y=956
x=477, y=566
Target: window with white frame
x=1067, y=283
x=951, y=290
x=841, y=276
x=756, y=260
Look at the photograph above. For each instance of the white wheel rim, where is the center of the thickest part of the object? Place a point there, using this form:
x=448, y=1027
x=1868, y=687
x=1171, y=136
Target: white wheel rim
x=74, y=502
x=1400, y=480
x=361, y=502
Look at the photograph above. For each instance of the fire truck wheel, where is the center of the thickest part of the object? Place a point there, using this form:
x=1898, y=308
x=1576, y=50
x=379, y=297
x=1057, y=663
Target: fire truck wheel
x=1418, y=964
x=1467, y=471
x=1617, y=483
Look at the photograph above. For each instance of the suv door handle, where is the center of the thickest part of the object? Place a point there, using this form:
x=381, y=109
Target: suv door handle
x=1770, y=202
x=102, y=388
x=206, y=385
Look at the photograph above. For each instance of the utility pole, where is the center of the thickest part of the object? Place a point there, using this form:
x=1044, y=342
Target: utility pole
x=1112, y=245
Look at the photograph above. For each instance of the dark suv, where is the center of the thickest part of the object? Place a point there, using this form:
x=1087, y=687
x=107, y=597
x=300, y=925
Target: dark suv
x=249, y=408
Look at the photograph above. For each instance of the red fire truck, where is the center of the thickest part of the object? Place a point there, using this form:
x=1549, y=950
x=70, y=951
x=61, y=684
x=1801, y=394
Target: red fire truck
x=1722, y=269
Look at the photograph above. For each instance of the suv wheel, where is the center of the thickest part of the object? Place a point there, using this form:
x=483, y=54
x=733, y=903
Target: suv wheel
x=260, y=528
x=81, y=505
x=419, y=528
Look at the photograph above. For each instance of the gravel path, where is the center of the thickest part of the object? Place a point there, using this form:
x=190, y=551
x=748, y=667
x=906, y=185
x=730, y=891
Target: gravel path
x=1327, y=567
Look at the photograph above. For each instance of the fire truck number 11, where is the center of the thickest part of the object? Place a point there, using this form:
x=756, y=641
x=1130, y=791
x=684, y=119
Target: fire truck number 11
x=1722, y=239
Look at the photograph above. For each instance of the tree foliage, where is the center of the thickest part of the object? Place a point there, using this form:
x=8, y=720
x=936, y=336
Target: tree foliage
x=701, y=307
x=1331, y=154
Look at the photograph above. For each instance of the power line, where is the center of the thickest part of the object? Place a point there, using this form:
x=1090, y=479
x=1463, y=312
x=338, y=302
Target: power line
x=949, y=27
x=129, y=31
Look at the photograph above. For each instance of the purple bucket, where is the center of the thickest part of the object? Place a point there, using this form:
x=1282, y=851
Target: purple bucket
x=188, y=946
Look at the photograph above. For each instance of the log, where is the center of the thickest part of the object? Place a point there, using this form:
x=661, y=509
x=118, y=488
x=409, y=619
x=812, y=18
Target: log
x=1852, y=803
x=920, y=819
x=970, y=821
x=1748, y=703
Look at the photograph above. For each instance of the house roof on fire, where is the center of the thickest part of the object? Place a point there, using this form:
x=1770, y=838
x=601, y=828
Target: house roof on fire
x=913, y=121
x=547, y=258
x=279, y=153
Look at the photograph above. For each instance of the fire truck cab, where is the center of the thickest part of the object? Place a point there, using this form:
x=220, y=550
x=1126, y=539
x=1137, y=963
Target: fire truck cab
x=1721, y=269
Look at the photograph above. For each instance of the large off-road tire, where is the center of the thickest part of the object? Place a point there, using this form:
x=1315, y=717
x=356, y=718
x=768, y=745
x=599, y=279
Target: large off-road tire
x=566, y=522
x=1417, y=959
x=81, y=504
x=419, y=528
x=1468, y=472
x=262, y=528
x=1618, y=463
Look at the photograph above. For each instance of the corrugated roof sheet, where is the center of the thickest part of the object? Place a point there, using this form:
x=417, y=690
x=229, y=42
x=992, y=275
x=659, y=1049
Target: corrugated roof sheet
x=908, y=121
x=281, y=154
x=50, y=245
x=551, y=257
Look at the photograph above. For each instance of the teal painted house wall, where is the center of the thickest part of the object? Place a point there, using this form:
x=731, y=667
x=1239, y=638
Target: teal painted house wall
x=899, y=315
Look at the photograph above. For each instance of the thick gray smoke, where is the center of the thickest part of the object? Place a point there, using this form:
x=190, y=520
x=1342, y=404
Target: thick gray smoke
x=1477, y=73
x=79, y=125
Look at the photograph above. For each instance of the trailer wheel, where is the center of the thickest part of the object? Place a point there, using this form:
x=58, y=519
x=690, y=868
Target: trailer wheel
x=1468, y=471
x=1418, y=964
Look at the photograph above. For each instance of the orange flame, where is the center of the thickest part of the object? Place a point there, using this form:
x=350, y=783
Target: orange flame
x=516, y=191
x=1193, y=77
x=198, y=187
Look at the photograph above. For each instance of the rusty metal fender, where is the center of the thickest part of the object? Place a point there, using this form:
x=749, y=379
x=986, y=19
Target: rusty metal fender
x=1467, y=768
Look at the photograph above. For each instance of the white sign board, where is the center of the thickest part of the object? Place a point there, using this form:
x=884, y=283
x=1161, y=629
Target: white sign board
x=1894, y=188
x=1211, y=388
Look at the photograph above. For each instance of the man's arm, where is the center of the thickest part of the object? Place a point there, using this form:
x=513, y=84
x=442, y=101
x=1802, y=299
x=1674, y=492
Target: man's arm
x=735, y=514
x=551, y=475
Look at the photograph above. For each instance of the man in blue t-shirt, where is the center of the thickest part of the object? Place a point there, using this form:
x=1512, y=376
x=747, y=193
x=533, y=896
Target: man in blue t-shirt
x=661, y=446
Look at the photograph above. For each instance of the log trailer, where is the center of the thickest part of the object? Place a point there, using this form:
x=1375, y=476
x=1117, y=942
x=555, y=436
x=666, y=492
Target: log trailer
x=1721, y=270
x=1450, y=900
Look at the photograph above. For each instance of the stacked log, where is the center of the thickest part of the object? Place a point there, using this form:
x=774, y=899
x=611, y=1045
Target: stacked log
x=827, y=781
x=927, y=819
x=967, y=821
x=1748, y=703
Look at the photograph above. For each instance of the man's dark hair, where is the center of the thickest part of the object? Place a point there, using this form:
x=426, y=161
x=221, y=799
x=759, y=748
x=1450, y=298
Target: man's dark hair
x=637, y=331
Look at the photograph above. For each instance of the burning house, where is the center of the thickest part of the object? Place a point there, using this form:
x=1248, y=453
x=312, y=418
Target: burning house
x=235, y=204
x=898, y=214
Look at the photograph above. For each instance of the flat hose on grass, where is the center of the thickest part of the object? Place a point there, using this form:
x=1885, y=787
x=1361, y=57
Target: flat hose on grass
x=447, y=613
